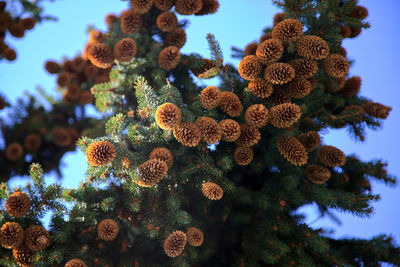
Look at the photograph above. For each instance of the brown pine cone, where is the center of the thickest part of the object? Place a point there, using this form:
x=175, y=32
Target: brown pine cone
x=313, y=47
x=107, y=229
x=11, y=235
x=249, y=136
x=14, y=151
x=288, y=30
x=101, y=55
x=131, y=22
x=317, y=174
x=212, y=191
x=163, y=154
x=194, y=236
x=336, y=65
x=304, y=68
x=260, y=88
x=210, y=97
x=100, y=153
x=169, y=58
x=167, y=21
x=250, y=67
x=125, y=50
x=331, y=156
x=257, y=115
x=210, y=130
x=164, y=5
x=18, y=204
x=250, y=49
x=279, y=73
x=298, y=88
x=141, y=6
x=75, y=263
x=168, y=116
x=36, y=237
x=176, y=38
x=243, y=155
x=292, y=150
x=230, y=130
x=151, y=172
x=376, y=110
x=188, y=134
x=24, y=256
x=230, y=104
x=284, y=115
x=209, y=7
x=310, y=140
x=188, y=7
x=351, y=87
x=175, y=244
x=270, y=51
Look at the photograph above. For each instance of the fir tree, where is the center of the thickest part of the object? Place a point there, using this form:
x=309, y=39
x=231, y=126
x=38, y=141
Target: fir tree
x=192, y=176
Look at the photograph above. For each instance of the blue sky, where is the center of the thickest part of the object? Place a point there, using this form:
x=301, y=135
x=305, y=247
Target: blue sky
x=238, y=23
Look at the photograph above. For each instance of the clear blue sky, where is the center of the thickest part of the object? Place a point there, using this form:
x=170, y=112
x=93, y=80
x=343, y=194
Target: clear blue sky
x=238, y=23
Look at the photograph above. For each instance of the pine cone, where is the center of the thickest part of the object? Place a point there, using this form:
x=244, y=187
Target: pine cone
x=11, y=235
x=52, y=67
x=243, y=155
x=101, y=55
x=131, y=22
x=176, y=38
x=317, y=174
x=334, y=85
x=188, y=7
x=125, y=50
x=64, y=78
x=100, y=153
x=345, y=31
x=210, y=97
x=278, y=17
x=86, y=98
x=270, y=51
x=167, y=21
x=257, y=115
x=16, y=29
x=260, y=88
x=336, y=65
x=250, y=67
x=230, y=104
x=359, y=12
x=288, y=30
x=141, y=6
x=28, y=23
x=304, y=67
x=209, y=129
x=292, y=150
x=151, y=172
x=249, y=136
x=376, y=110
x=24, y=256
x=188, y=134
x=169, y=58
x=73, y=92
x=313, y=47
x=279, y=73
x=14, y=151
x=164, y=5
x=110, y=19
x=168, y=116
x=75, y=263
x=37, y=238
x=250, y=49
x=107, y=229
x=207, y=66
x=278, y=97
x=230, y=130
x=310, y=140
x=298, y=88
x=18, y=204
x=209, y=7
x=163, y=154
x=212, y=191
x=175, y=244
x=194, y=236
x=284, y=115
x=351, y=87
x=331, y=156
